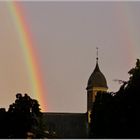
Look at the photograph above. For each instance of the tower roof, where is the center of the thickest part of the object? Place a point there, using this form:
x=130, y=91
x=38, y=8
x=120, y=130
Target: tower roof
x=97, y=78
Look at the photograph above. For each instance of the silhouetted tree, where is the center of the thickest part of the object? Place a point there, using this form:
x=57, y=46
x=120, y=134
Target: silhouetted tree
x=101, y=116
x=3, y=123
x=24, y=118
x=118, y=116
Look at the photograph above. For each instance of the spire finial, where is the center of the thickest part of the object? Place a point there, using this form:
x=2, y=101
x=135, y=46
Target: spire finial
x=97, y=53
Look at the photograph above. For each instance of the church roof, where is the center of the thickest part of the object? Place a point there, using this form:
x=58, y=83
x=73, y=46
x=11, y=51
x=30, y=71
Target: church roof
x=97, y=79
x=66, y=125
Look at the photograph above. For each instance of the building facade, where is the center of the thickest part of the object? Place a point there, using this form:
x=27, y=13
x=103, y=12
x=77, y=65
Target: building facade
x=76, y=125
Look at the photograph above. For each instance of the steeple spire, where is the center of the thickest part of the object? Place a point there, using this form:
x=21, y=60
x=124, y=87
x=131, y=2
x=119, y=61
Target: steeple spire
x=97, y=67
x=97, y=54
x=97, y=82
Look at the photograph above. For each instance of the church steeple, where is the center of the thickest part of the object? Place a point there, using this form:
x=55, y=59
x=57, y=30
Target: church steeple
x=97, y=82
x=97, y=78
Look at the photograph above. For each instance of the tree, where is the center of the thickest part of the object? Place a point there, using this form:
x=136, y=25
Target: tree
x=101, y=116
x=118, y=116
x=25, y=118
x=3, y=123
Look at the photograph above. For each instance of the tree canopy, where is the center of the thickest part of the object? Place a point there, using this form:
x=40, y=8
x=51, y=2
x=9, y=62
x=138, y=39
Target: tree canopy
x=117, y=115
x=22, y=120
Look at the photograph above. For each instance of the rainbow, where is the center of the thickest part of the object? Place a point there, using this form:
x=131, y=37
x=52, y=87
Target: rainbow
x=127, y=25
x=29, y=52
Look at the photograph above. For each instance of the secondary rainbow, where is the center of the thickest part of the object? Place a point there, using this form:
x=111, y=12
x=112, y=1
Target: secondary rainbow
x=128, y=33
x=29, y=52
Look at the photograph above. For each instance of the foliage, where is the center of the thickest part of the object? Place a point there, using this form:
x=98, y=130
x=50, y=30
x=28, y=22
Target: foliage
x=22, y=118
x=118, y=116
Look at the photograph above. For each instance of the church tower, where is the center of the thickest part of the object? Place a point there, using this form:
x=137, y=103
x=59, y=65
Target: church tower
x=97, y=82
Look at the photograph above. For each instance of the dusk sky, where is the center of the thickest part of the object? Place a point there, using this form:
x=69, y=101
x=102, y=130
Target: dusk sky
x=66, y=35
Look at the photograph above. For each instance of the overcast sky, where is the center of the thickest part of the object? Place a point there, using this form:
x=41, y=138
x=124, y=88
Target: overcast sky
x=66, y=35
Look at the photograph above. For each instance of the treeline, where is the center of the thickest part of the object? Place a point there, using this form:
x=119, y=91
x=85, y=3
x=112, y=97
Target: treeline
x=117, y=115
x=22, y=120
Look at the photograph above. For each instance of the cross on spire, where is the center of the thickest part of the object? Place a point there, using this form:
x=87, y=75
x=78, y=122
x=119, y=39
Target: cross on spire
x=97, y=53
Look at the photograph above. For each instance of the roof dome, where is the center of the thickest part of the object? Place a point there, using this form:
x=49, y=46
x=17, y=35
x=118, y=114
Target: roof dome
x=97, y=79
